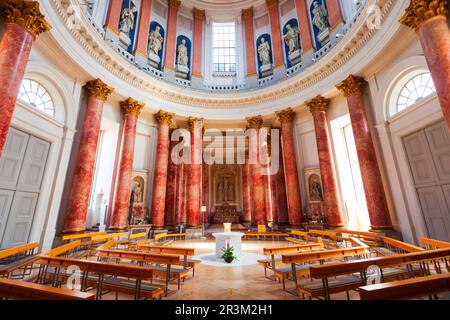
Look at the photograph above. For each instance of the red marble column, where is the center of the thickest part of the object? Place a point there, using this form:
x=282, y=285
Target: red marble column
x=286, y=118
x=283, y=217
x=304, y=26
x=195, y=174
x=143, y=28
x=272, y=179
x=353, y=88
x=429, y=20
x=171, y=193
x=161, y=166
x=80, y=191
x=247, y=197
x=247, y=15
x=335, y=13
x=199, y=18
x=171, y=38
x=277, y=43
x=318, y=107
x=23, y=23
x=180, y=197
x=131, y=110
x=113, y=16
x=259, y=210
x=205, y=190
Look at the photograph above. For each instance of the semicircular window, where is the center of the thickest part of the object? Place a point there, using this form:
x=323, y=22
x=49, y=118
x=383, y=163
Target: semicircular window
x=36, y=96
x=419, y=87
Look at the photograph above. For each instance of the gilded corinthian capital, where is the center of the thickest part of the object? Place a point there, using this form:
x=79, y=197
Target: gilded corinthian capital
x=192, y=121
x=199, y=13
x=255, y=122
x=164, y=117
x=351, y=85
x=420, y=11
x=26, y=14
x=318, y=104
x=286, y=115
x=175, y=3
x=131, y=106
x=97, y=88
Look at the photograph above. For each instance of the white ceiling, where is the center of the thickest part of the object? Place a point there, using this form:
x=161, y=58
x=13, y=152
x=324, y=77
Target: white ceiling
x=222, y=8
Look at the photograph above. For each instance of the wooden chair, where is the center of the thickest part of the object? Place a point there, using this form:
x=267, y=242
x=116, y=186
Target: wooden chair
x=407, y=289
x=392, y=268
x=128, y=279
x=18, y=258
x=22, y=290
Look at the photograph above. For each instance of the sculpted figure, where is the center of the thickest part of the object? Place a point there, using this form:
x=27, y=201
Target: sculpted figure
x=183, y=58
x=155, y=40
x=127, y=20
x=291, y=38
x=320, y=15
x=264, y=52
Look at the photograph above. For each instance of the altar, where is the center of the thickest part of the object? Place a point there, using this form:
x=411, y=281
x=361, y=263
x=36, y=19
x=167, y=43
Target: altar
x=234, y=239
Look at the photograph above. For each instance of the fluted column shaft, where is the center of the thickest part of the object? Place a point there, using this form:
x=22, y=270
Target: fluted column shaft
x=23, y=22
x=131, y=110
x=80, y=190
x=286, y=118
x=259, y=210
x=429, y=20
x=318, y=107
x=164, y=120
x=377, y=205
x=195, y=174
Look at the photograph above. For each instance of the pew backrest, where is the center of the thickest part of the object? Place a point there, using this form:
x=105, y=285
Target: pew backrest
x=18, y=250
x=134, y=236
x=81, y=236
x=330, y=234
x=160, y=236
x=401, y=246
x=292, y=249
x=16, y=289
x=106, y=237
x=434, y=243
x=140, y=256
x=324, y=255
x=170, y=250
x=64, y=248
x=299, y=233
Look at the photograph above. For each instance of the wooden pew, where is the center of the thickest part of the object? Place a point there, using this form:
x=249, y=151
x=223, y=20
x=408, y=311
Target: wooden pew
x=116, y=277
x=105, y=238
x=81, y=236
x=75, y=249
x=407, y=289
x=162, y=239
x=330, y=238
x=393, y=268
x=398, y=246
x=270, y=263
x=184, y=252
x=23, y=290
x=17, y=258
x=433, y=244
x=156, y=260
x=265, y=235
x=370, y=238
x=317, y=257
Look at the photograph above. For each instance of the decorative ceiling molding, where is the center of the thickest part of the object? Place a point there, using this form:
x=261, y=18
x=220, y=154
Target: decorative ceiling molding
x=90, y=40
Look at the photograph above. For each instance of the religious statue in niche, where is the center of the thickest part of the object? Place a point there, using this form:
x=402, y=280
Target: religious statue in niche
x=182, y=60
x=315, y=210
x=137, y=212
x=292, y=40
x=264, y=57
x=155, y=44
x=126, y=25
x=320, y=21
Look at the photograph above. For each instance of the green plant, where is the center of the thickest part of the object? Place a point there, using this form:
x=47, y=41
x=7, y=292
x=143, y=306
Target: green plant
x=228, y=254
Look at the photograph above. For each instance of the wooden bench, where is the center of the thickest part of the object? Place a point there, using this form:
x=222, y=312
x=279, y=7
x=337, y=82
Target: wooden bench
x=407, y=289
x=393, y=246
x=184, y=252
x=22, y=290
x=75, y=249
x=265, y=235
x=370, y=238
x=17, y=258
x=125, y=278
x=270, y=263
x=344, y=278
x=329, y=238
x=318, y=258
x=155, y=260
x=434, y=244
x=81, y=236
x=162, y=239
x=96, y=240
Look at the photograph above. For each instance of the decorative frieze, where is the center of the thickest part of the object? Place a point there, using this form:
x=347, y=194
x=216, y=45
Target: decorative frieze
x=26, y=14
x=420, y=11
x=97, y=88
x=351, y=85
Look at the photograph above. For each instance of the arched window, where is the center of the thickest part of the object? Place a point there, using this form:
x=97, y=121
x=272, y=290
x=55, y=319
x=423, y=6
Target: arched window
x=419, y=87
x=36, y=96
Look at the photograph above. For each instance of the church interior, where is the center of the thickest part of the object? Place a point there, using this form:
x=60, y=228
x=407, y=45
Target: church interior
x=224, y=150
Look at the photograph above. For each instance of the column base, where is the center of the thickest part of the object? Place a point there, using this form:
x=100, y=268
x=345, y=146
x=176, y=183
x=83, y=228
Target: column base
x=118, y=229
x=198, y=226
x=158, y=227
x=336, y=226
x=72, y=231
